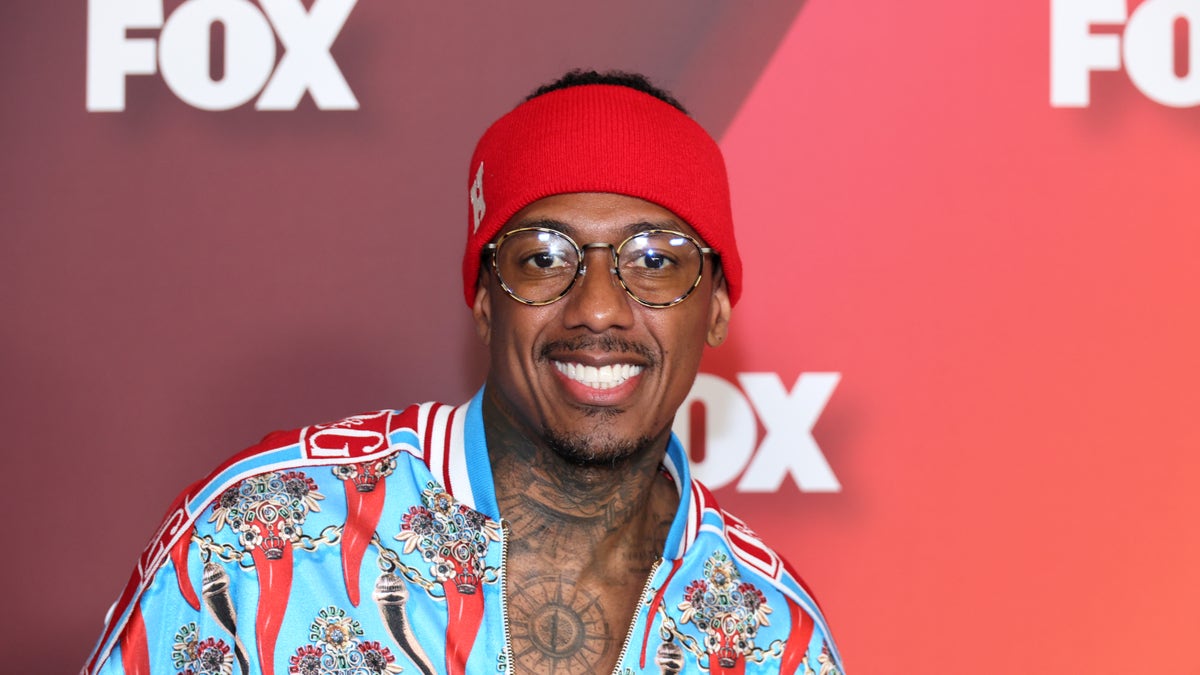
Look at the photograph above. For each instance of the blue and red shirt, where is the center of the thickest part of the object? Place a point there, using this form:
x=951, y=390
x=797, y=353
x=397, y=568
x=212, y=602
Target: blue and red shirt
x=375, y=545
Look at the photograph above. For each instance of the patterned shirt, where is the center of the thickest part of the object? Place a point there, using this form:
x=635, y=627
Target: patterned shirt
x=375, y=545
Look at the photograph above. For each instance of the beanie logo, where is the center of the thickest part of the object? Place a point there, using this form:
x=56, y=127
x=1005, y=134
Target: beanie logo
x=476, y=193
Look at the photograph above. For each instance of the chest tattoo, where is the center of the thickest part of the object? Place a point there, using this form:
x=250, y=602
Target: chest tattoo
x=558, y=627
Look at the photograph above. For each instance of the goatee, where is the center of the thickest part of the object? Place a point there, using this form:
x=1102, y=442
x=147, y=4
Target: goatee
x=592, y=451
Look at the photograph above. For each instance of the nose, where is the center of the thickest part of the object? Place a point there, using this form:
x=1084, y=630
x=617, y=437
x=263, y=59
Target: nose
x=598, y=301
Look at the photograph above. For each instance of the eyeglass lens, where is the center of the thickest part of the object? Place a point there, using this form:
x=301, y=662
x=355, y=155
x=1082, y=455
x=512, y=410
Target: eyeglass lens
x=540, y=265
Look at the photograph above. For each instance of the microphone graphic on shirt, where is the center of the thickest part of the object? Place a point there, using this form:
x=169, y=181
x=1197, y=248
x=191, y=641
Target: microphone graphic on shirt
x=215, y=589
x=669, y=658
x=391, y=594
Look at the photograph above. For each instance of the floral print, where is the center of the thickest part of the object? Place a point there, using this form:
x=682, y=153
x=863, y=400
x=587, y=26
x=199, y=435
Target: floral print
x=452, y=538
x=365, y=475
x=727, y=610
x=336, y=648
x=194, y=656
x=268, y=510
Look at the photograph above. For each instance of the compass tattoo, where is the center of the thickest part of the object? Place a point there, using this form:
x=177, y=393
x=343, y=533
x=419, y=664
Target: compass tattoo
x=557, y=627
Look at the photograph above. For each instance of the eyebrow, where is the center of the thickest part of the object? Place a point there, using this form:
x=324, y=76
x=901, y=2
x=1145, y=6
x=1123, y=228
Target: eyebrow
x=626, y=231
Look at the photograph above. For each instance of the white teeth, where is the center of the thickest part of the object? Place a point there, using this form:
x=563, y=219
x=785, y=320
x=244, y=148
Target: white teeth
x=604, y=377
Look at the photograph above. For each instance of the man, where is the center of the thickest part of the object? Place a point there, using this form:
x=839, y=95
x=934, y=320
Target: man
x=547, y=526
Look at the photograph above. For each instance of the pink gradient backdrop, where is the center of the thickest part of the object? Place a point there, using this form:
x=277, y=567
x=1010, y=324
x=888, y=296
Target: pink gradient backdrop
x=1007, y=289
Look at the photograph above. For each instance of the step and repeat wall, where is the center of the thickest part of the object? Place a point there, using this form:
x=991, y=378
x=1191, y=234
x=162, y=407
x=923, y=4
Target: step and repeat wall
x=960, y=392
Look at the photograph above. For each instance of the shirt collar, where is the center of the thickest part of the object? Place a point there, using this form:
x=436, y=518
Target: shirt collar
x=474, y=445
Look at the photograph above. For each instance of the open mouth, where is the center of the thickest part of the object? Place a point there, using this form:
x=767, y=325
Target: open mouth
x=602, y=377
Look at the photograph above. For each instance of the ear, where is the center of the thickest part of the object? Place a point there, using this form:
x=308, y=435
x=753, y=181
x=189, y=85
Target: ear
x=719, y=312
x=482, y=310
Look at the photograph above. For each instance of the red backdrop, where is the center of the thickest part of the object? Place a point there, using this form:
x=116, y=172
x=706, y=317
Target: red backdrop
x=1006, y=289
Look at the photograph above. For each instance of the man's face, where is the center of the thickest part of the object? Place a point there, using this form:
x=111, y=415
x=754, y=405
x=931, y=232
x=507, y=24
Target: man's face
x=546, y=361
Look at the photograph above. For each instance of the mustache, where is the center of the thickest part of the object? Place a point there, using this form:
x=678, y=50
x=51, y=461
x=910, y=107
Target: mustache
x=605, y=343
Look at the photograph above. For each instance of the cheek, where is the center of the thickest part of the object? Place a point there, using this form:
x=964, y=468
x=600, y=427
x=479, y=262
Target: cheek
x=682, y=343
x=504, y=341
x=514, y=334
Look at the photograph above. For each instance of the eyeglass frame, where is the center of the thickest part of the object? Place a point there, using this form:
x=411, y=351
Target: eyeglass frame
x=581, y=265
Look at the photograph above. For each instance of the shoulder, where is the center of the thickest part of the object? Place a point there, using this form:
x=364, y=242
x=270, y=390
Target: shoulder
x=355, y=439
x=725, y=550
x=747, y=548
x=359, y=440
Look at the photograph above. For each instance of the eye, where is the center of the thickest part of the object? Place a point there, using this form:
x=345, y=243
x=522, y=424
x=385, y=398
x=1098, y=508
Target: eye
x=548, y=259
x=652, y=259
x=655, y=254
x=538, y=252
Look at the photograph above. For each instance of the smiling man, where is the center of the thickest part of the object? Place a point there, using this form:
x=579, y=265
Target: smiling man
x=549, y=525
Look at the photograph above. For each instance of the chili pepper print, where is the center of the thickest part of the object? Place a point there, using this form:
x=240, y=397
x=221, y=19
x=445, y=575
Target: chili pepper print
x=274, y=587
x=365, y=494
x=797, y=644
x=179, y=553
x=391, y=594
x=135, y=655
x=464, y=600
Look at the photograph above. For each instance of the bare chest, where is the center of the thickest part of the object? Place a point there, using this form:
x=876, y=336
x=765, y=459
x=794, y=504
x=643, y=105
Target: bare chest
x=567, y=621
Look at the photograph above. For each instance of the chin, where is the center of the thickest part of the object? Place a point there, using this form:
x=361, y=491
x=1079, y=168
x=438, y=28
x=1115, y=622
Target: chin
x=596, y=449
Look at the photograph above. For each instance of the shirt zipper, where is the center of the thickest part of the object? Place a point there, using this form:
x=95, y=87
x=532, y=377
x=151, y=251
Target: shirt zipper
x=508, y=651
x=637, y=611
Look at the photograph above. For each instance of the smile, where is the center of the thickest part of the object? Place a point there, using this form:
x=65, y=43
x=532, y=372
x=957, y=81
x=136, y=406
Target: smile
x=604, y=377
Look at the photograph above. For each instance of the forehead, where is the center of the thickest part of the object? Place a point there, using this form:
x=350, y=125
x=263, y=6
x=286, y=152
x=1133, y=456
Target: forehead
x=597, y=216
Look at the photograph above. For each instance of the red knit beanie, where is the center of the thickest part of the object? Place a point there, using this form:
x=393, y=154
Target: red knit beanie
x=599, y=138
